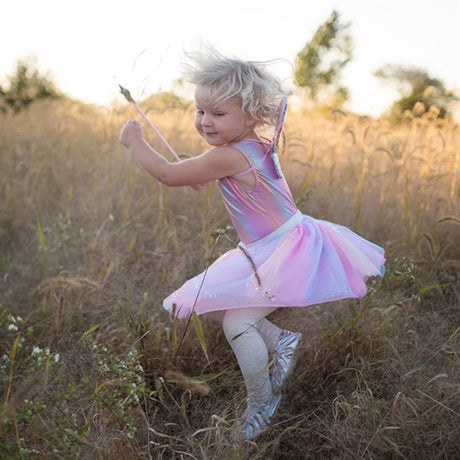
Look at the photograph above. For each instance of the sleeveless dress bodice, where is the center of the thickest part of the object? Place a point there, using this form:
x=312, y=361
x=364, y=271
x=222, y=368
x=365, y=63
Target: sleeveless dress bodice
x=258, y=211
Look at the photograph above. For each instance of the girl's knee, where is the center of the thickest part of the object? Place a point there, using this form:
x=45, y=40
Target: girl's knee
x=236, y=324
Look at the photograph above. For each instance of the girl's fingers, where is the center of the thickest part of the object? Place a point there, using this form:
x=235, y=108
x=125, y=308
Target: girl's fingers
x=133, y=123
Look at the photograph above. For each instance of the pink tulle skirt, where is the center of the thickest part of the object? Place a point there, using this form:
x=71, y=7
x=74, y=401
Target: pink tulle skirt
x=304, y=262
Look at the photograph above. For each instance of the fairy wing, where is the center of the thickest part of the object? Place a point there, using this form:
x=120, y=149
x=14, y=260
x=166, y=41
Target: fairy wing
x=276, y=136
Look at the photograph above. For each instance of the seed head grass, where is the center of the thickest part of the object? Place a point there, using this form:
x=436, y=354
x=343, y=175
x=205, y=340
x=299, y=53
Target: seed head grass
x=91, y=366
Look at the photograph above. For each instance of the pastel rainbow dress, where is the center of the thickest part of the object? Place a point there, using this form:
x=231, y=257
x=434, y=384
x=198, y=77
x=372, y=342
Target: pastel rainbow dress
x=284, y=258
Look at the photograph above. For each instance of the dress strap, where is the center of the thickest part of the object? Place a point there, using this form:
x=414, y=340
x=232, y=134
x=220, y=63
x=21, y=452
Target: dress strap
x=257, y=164
x=253, y=166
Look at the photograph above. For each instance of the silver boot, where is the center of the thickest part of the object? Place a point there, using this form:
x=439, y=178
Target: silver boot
x=284, y=359
x=256, y=418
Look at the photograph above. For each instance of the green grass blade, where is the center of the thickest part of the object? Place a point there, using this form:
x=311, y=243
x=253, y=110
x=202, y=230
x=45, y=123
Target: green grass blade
x=174, y=335
x=41, y=239
x=132, y=243
x=200, y=333
x=89, y=331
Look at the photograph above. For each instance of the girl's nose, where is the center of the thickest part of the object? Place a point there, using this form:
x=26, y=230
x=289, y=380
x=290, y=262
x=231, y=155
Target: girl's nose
x=205, y=121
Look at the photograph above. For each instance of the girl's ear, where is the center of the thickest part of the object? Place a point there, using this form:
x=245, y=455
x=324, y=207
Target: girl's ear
x=250, y=121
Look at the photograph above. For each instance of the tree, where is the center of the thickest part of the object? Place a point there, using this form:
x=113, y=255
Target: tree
x=417, y=90
x=27, y=85
x=319, y=65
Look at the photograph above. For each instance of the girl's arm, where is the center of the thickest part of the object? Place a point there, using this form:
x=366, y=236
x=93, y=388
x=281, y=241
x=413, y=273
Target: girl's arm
x=214, y=164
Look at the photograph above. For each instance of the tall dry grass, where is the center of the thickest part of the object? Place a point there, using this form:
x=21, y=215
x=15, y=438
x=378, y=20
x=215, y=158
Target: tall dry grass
x=92, y=367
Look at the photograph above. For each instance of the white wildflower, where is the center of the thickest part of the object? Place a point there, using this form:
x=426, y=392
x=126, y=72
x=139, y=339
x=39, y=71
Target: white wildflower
x=36, y=351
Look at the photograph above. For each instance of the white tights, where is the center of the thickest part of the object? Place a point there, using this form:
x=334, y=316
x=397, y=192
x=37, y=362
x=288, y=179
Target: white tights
x=252, y=337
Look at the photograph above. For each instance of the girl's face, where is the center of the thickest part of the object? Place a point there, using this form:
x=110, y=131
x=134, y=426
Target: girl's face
x=221, y=123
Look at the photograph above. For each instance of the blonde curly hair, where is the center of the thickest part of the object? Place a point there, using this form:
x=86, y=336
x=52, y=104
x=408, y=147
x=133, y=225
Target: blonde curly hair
x=258, y=91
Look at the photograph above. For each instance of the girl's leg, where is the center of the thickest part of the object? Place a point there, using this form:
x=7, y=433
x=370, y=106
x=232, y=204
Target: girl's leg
x=252, y=337
x=282, y=344
x=240, y=329
x=270, y=332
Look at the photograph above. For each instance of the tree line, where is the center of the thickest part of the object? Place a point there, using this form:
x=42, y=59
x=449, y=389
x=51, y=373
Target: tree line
x=318, y=73
x=26, y=85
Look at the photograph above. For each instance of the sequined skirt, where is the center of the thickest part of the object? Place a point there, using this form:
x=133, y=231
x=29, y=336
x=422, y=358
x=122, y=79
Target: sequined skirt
x=304, y=262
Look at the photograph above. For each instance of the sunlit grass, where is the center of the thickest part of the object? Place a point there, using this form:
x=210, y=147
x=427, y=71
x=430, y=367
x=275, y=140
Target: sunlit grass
x=92, y=367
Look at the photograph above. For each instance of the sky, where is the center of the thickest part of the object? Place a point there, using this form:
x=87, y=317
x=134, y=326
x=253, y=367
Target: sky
x=90, y=45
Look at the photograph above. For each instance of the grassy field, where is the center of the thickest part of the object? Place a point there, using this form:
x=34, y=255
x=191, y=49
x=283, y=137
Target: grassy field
x=91, y=367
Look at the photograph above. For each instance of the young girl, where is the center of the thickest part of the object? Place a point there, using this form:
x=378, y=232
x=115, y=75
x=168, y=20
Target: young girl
x=284, y=258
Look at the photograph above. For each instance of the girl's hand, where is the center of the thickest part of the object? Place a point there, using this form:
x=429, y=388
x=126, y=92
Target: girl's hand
x=130, y=132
